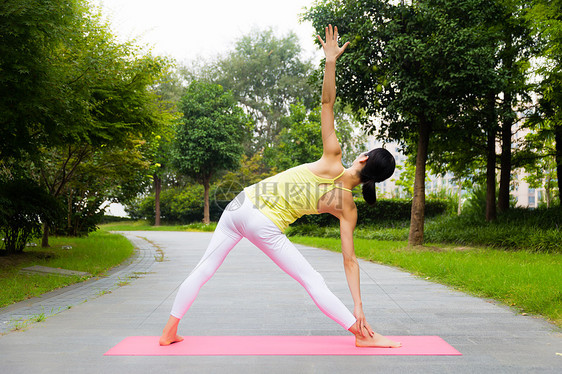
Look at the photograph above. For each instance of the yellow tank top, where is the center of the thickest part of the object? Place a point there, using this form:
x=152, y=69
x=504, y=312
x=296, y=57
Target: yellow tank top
x=289, y=195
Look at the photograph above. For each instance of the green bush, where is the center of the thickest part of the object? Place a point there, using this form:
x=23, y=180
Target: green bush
x=519, y=228
x=25, y=207
x=384, y=211
x=535, y=230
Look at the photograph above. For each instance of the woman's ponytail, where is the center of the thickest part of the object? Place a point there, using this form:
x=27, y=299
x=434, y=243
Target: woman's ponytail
x=369, y=192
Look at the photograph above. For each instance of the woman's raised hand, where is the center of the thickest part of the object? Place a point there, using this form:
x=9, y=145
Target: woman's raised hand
x=330, y=46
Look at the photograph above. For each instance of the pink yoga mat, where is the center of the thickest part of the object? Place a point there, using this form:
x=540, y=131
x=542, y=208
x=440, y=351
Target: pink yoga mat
x=277, y=345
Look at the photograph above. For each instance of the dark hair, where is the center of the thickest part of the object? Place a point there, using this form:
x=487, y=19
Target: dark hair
x=379, y=166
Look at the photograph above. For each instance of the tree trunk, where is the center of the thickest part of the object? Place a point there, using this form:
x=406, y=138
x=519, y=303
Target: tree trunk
x=505, y=159
x=547, y=191
x=206, y=214
x=69, y=212
x=491, y=126
x=491, y=176
x=558, y=158
x=157, y=189
x=459, y=206
x=45, y=239
x=418, y=203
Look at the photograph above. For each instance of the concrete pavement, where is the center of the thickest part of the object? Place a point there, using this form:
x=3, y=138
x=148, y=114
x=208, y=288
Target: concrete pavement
x=249, y=295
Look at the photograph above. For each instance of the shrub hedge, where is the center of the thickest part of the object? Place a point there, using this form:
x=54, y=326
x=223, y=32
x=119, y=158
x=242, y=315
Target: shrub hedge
x=185, y=205
x=537, y=230
x=385, y=210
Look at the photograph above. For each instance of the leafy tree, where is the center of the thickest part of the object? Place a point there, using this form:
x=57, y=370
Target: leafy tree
x=538, y=155
x=25, y=206
x=267, y=74
x=31, y=101
x=110, y=174
x=210, y=134
x=109, y=101
x=546, y=22
x=406, y=180
x=159, y=147
x=417, y=67
x=514, y=50
x=70, y=93
x=300, y=140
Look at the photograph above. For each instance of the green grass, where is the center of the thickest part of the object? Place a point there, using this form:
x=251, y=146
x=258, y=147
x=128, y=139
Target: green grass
x=529, y=281
x=536, y=230
x=95, y=254
x=143, y=225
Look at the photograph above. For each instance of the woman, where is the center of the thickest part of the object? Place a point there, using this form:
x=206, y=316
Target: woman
x=263, y=211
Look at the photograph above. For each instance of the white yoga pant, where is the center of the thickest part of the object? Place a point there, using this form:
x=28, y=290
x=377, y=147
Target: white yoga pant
x=242, y=219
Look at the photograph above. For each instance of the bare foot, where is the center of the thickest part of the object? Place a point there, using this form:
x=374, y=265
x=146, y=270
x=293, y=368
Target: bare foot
x=170, y=333
x=376, y=341
x=166, y=340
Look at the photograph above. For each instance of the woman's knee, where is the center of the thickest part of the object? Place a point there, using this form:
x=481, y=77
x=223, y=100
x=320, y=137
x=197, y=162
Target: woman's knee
x=314, y=282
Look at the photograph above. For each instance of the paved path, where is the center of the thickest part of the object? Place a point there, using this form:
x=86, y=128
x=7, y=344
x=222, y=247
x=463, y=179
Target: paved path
x=249, y=295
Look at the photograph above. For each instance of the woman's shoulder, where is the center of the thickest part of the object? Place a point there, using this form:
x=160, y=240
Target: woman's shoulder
x=323, y=169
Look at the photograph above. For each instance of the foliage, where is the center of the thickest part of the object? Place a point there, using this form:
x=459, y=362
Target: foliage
x=266, y=74
x=384, y=211
x=299, y=141
x=544, y=17
x=251, y=170
x=25, y=206
x=177, y=206
x=30, y=95
x=394, y=67
x=96, y=102
x=111, y=174
x=517, y=229
x=394, y=70
x=210, y=134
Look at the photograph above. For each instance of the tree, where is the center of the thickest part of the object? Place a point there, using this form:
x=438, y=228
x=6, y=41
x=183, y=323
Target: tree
x=417, y=67
x=25, y=206
x=513, y=63
x=266, y=74
x=546, y=22
x=110, y=174
x=300, y=140
x=209, y=135
x=538, y=151
x=108, y=101
x=30, y=96
x=169, y=91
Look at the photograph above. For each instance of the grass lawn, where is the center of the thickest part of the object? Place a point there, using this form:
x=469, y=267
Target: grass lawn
x=529, y=281
x=95, y=254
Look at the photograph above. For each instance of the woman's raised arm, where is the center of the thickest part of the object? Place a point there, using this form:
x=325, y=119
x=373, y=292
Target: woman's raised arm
x=332, y=52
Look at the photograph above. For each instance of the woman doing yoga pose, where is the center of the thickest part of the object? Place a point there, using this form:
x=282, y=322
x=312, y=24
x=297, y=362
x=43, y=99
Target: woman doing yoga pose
x=263, y=211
